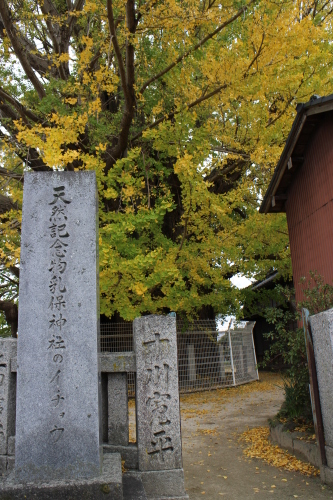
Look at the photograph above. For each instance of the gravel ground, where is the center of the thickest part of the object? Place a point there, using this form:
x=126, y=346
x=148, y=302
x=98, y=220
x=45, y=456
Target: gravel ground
x=214, y=464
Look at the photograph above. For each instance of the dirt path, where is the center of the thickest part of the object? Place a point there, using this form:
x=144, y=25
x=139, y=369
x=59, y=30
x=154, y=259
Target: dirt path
x=214, y=464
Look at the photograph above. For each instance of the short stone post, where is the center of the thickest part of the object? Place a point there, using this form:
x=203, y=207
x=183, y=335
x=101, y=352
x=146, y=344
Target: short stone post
x=322, y=335
x=157, y=405
x=118, y=426
x=7, y=404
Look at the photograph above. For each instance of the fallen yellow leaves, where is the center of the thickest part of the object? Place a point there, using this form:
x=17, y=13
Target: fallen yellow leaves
x=259, y=446
x=212, y=432
x=267, y=382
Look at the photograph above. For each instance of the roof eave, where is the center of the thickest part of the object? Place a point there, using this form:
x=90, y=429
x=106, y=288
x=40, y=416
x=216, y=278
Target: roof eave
x=319, y=105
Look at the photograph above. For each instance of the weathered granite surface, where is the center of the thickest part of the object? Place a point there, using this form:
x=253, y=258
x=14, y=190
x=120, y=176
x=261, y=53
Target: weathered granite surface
x=322, y=334
x=7, y=393
x=107, y=486
x=7, y=402
x=128, y=453
x=57, y=419
x=118, y=431
x=133, y=488
x=163, y=484
x=157, y=397
x=114, y=362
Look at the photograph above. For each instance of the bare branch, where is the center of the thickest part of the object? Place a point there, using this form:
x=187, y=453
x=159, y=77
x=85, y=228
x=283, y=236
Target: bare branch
x=11, y=175
x=25, y=113
x=117, y=50
x=6, y=204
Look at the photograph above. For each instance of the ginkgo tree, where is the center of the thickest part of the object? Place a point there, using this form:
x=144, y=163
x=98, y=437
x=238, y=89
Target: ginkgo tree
x=182, y=109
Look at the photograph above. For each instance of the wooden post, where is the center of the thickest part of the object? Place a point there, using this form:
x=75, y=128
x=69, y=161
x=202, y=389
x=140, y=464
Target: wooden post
x=313, y=386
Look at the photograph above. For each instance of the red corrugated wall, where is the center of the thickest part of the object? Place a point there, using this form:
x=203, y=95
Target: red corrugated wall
x=310, y=210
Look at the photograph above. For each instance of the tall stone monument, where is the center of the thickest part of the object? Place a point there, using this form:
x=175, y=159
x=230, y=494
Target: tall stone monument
x=57, y=419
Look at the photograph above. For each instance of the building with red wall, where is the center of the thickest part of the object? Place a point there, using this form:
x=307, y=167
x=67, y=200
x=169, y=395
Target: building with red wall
x=302, y=186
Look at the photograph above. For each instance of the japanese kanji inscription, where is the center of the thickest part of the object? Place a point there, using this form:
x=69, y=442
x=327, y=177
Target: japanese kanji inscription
x=159, y=440
x=57, y=434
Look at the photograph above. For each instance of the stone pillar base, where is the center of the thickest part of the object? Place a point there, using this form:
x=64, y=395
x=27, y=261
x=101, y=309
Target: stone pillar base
x=107, y=486
x=163, y=484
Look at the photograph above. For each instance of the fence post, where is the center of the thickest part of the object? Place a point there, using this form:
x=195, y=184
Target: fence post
x=192, y=372
x=231, y=358
x=254, y=354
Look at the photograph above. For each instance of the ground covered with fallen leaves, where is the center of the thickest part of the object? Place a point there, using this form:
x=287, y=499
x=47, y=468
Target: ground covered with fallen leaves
x=226, y=448
x=260, y=446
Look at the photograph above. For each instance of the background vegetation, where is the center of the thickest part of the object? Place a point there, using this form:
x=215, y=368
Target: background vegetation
x=182, y=109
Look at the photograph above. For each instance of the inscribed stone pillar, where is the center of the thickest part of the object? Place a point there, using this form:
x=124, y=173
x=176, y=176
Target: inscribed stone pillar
x=57, y=420
x=157, y=397
x=322, y=334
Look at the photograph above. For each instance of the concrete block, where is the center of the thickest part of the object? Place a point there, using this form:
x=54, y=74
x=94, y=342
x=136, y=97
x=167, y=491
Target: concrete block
x=57, y=418
x=128, y=453
x=286, y=441
x=164, y=484
x=275, y=433
x=329, y=456
x=133, y=488
x=326, y=475
x=307, y=451
x=322, y=333
x=157, y=397
x=107, y=486
x=118, y=427
x=115, y=362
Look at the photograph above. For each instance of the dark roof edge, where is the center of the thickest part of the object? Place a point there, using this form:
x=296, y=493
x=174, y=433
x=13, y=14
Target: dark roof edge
x=315, y=105
x=268, y=279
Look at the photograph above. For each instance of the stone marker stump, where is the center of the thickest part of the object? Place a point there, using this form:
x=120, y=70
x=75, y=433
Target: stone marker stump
x=157, y=403
x=58, y=414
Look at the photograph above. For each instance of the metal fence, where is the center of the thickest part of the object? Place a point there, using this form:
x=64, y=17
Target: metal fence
x=207, y=357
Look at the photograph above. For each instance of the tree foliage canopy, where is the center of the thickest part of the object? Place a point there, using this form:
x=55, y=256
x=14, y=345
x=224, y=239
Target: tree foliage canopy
x=181, y=108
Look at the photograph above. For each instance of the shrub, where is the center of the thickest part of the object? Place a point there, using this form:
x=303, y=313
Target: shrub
x=289, y=342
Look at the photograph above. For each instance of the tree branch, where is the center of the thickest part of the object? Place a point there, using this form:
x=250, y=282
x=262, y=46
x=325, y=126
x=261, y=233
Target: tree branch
x=174, y=113
x=128, y=80
x=6, y=204
x=195, y=47
x=117, y=50
x=6, y=173
x=25, y=113
x=11, y=32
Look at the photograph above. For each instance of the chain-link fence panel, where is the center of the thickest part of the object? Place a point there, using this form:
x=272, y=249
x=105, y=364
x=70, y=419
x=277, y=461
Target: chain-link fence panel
x=207, y=357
